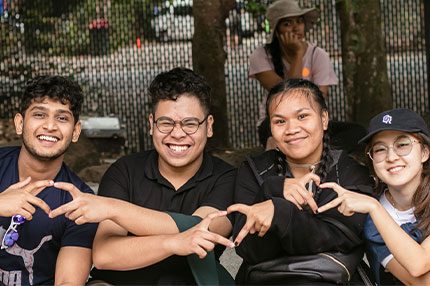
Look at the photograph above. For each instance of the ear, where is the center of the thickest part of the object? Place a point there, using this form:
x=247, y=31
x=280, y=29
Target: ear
x=210, y=120
x=19, y=123
x=151, y=124
x=425, y=153
x=324, y=119
x=76, y=131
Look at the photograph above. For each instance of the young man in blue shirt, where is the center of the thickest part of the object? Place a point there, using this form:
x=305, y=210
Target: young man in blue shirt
x=37, y=249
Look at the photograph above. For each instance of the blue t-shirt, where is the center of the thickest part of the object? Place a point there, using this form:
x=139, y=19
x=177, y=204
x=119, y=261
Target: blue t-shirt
x=31, y=260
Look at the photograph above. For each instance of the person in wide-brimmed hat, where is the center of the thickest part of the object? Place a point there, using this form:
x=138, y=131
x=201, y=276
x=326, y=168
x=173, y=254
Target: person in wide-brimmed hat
x=287, y=54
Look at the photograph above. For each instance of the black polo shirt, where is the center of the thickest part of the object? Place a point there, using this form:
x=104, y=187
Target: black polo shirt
x=137, y=179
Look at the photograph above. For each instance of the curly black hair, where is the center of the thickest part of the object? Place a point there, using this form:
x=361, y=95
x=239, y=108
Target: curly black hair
x=170, y=85
x=55, y=87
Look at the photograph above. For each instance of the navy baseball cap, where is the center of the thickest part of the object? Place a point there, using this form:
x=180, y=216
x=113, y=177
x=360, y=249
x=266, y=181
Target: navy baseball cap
x=400, y=119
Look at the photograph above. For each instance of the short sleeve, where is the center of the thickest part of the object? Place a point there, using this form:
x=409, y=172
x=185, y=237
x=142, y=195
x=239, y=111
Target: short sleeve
x=79, y=235
x=114, y=182
x=259, y=61
x=322, y=69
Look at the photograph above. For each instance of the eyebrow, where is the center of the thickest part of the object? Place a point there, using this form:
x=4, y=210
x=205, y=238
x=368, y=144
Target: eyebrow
x=296, y=112
x=42, y=108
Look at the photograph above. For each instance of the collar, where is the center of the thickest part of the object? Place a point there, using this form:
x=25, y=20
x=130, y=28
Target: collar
x=153, y=173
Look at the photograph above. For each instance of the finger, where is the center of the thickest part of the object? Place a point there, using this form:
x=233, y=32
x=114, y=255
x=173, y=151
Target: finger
x=75, y=214
x=293, y=200
x=26, y=214
x=219, y=239
x=207, y=245
x=21, y=184
x=330, y=205
x=36, y=187
x=40, y=203
x=263, y=230
x=29, y=208
x=311, y=177
x=80, y=220
x=69, y=207
x=238, y=208
x=330, y=185
x=75, y=192
x=243, y=232
x=208, y=219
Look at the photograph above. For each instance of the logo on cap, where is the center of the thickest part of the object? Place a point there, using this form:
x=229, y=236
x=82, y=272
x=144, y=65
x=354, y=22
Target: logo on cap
x=387, y=119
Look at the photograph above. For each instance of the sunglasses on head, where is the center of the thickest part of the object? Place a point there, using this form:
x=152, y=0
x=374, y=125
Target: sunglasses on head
x=11, y=235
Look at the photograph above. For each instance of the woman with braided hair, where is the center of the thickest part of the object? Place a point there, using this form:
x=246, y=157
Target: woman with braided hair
x=277, y=193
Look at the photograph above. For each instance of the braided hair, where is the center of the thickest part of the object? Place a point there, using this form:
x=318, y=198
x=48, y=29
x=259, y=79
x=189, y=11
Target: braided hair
x=314, y=95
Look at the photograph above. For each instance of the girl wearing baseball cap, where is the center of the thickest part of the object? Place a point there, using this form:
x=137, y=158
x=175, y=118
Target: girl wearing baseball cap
x=398, y=226
x=288, y=55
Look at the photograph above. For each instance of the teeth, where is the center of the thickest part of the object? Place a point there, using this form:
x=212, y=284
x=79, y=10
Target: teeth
x=178, y=148
x=395, y=169
x=48, y=138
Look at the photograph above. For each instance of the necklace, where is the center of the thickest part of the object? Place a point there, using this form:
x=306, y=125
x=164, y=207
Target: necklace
x=311, y=168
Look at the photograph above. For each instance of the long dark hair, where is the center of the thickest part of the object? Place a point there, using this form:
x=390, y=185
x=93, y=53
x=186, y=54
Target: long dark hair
x=314, y=95
x=275, y=52
x=421, y=198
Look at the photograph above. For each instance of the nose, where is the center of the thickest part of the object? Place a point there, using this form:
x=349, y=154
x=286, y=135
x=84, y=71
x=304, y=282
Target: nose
x=291, y=128
x=177, y=131
x=391, y=154
x=50, y=124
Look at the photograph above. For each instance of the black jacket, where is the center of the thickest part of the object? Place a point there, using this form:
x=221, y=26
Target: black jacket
x=295, y=232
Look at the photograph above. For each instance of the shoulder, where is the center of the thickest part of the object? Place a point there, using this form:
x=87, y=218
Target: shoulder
x=136, y=161
x=259, y=53
x=219, y=166
x=263, y=162
x=9, y=152
x=353, y=173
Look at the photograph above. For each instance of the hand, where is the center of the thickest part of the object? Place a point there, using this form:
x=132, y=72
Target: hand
x=198, y=239
x=292, y=45
x=258, y=218
x=20, y=198
x=295, y=191
x=83, y=208
x=348, y=202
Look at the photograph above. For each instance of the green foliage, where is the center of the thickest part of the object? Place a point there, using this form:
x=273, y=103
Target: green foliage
x=55, y=28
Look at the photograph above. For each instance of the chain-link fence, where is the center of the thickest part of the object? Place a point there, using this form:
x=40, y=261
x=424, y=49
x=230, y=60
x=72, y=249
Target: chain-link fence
x=115, y=48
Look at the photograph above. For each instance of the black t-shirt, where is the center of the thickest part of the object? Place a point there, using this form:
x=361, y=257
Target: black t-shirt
x=137, y=179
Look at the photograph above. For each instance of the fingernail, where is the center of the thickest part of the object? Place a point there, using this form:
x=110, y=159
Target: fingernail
x=316, y=212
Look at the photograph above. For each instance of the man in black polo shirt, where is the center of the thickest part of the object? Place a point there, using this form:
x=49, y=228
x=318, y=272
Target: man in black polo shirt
x=178, y=176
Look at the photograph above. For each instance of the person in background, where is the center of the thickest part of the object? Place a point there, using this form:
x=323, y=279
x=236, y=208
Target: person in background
x=35, y=249
x=398, y=226
x=287, y=54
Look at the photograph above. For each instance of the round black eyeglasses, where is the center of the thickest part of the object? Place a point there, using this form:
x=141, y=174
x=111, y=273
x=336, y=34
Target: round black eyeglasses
x=189, y=125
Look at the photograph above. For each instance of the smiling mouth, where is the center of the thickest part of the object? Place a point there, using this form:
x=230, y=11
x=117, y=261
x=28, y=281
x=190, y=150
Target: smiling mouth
x=396, y=169
x=47, y=138
x=178, y=148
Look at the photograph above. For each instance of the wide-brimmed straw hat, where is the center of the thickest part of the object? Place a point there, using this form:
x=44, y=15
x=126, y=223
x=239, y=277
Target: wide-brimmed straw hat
x=289, y=8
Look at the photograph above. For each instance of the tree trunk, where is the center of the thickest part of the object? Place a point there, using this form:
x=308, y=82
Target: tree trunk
x=363, y=59
x=209, y=59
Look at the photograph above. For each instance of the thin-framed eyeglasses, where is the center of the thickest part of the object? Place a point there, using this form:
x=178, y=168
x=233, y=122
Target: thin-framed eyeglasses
x=402, y=146
x=11, y=235
x=189, y=125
